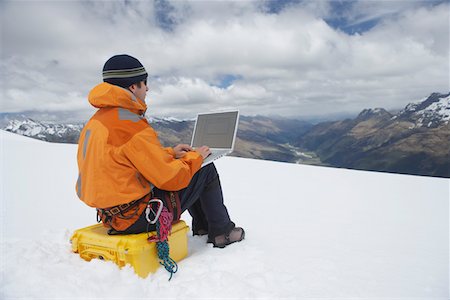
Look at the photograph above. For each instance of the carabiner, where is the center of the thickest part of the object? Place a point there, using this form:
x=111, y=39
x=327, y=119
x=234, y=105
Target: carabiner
x=149, y=210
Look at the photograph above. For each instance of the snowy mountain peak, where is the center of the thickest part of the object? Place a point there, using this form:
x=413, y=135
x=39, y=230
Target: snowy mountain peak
x=429, y=112
x=44, y=131
x=162, y=119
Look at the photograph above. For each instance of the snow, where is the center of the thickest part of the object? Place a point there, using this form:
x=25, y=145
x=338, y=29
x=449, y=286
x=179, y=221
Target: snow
x=312, y=232
x=165, y=119
x=441, y=108
x=29, y=127
x=377, y=110
x=438, y=111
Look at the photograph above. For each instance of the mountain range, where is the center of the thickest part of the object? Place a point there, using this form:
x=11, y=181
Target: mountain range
x=414, y=140
x=50, y=132
x=258, y=137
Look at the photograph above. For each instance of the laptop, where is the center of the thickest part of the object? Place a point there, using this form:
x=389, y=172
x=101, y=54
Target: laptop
x=217, y=131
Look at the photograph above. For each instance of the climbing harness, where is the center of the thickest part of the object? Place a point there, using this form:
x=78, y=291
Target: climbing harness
x=156, y=213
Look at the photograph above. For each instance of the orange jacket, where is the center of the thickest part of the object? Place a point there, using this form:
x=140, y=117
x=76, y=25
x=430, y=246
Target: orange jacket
x=120, y=156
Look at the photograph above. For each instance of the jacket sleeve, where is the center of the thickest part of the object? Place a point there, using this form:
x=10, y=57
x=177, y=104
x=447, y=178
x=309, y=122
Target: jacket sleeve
x=170, y=151
x=158, y=165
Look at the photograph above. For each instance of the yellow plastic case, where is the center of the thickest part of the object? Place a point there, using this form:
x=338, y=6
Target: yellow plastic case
x=134, y=249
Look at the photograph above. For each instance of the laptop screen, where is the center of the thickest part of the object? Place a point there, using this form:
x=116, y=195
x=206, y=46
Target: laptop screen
x=216, y=130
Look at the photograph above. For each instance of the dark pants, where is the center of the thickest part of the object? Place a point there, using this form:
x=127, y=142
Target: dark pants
x=204, y=200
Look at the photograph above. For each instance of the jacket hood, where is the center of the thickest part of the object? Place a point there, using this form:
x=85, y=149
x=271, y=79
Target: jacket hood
x=107, y=95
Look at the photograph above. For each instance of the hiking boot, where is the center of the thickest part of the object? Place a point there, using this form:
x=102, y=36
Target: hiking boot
x=237, y=234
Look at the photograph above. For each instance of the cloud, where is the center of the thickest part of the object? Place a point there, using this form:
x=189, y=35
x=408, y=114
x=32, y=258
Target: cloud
x=215, y=55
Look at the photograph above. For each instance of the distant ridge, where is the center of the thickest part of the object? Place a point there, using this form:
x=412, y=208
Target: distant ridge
x=62, y=133
x=413, y=141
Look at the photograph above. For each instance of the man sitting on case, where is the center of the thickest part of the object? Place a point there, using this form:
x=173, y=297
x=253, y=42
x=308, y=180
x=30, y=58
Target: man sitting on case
x=122, y=164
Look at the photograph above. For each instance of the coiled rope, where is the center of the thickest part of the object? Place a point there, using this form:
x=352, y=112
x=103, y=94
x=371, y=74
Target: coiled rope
x=163, y=228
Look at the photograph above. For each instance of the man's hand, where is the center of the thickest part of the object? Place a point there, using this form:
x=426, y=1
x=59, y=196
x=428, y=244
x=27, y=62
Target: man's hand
x=181, y=150
x=204, y=151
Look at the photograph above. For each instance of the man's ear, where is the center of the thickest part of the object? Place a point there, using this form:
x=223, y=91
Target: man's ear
x=132, y=87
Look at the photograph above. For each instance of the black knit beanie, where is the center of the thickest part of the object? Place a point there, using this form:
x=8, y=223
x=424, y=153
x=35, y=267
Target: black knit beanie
x=123, y=70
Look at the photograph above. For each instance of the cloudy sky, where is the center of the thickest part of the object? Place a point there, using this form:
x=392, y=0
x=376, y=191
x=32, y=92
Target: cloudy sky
x=288, y=58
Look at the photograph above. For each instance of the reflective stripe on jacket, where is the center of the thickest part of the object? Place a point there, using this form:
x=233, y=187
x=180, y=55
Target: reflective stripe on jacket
x=119, y=154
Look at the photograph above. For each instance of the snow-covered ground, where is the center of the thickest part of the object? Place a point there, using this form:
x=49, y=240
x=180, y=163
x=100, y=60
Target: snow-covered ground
x=312, y=232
